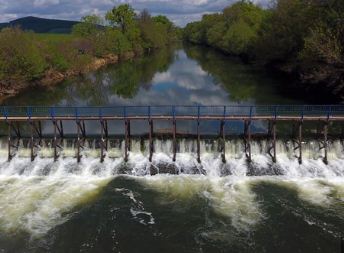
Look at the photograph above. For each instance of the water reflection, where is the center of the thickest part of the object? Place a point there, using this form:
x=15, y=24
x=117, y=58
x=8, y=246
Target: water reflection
x=188, y=76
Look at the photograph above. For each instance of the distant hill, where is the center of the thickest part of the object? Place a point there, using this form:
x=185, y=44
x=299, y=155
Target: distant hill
x=41, y=25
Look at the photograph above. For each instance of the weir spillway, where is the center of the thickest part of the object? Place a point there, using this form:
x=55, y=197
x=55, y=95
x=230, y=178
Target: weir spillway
x=90, y=128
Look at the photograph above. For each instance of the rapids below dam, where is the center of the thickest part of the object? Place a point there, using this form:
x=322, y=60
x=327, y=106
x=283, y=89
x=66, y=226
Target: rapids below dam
x=166, y=206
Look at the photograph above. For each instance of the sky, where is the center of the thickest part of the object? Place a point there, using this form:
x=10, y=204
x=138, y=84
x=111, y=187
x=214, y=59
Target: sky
x=179, y=11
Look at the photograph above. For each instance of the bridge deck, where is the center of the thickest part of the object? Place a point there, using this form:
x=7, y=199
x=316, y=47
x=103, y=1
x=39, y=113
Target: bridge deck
x=186, y=117
x=260, y=112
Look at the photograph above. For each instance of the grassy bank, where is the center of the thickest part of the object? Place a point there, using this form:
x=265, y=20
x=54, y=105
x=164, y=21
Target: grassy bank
x=27, y=58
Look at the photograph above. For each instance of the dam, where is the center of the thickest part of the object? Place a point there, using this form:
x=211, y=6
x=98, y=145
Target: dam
x=25, y=130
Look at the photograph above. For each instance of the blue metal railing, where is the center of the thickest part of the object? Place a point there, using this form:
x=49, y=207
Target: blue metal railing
x=174, y=111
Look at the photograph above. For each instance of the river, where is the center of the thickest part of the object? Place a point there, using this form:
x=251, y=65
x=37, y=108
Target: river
x=63, y=206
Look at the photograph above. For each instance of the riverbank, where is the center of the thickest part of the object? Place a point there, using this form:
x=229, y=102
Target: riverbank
x=304, y=41
x=52, y=77
x=30, y=59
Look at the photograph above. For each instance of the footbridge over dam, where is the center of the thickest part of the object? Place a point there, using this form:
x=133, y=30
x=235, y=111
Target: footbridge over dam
x=29, y=119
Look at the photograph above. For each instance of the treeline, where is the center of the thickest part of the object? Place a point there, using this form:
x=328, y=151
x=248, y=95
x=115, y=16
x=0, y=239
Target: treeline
x=120, y=34
x=303, y=38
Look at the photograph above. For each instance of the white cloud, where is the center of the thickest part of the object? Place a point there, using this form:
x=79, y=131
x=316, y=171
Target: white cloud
x=180, y=11
x=39, y=3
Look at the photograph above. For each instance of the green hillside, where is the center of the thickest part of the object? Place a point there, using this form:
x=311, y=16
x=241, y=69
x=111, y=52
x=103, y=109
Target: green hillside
x=41, y=25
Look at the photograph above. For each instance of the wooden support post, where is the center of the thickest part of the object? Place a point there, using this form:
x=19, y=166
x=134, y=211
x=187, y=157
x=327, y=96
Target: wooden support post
x=106, y=134
x=58, y=130
x=78, y=143
x=223, y=141
x=104, y=139
x=55, y=141
x=198, y=143
x=126, y=143
x=39, y=132
x=325, y=142
x=16, y=130
x=174, y=140
x=83, y=130
x=151, y=144
x=129, y=136
x=274, y=158
x=61, y=130
x=247, y=140
x=102, y=145
x=32, y=142
x=300, y=142
x=272, y=141
x=9, y=142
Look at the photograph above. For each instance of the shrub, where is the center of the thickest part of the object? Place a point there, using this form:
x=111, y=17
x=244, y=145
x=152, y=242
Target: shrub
x=20, y=56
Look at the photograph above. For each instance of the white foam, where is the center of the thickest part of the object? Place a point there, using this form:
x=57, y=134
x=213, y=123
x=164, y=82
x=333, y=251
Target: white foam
x=37, y=196
x=37, y=204
x=229, y=196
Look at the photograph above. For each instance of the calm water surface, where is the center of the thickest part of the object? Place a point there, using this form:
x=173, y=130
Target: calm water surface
x=207, y=207
x=190, y=76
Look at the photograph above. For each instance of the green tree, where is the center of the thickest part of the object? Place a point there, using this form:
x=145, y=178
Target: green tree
x=89, y=26
x=154, y=33
x=234, y=31
x=122, y=16
x=20, y=56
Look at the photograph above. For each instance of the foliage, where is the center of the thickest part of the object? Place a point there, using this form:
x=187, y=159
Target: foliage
x=88, y=26
x=27, y=56
x=305, y=38
x=20, y=55
x=302, y=38
x=234, y=31
x=122, y=16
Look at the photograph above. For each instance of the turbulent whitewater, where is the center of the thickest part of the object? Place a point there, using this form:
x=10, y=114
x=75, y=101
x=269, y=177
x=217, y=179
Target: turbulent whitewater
x=231, y=203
